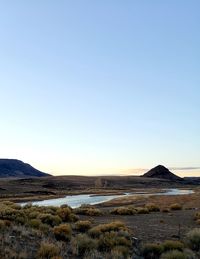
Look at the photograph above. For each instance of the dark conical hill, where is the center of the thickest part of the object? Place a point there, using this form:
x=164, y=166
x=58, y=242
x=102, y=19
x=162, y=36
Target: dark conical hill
x=162, y=172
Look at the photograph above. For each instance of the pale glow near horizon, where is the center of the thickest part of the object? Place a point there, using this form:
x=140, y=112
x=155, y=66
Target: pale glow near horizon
x=100, y=86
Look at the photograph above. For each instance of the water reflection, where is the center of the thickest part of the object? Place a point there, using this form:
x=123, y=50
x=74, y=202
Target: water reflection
x=76, y=201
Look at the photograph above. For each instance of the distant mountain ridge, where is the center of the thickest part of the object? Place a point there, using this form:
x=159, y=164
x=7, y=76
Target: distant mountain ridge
x=162, y=172
x=17, y=168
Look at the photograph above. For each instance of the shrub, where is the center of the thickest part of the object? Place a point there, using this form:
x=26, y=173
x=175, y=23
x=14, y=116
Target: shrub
x=174, y=254
x=64, y=213
x=50, y=219
x=95, y=254
x=102, y=228
x=109, y=240
x=7, y=203
x=20, y=220
x=120, y=252
x=9, y=213
x=44, y=228
x=173, y=245
x=152, y=251
x=152, y=207
x=197, y=217
x=63, y=232
x=84, y=243
x=83, y=225
x=50, y=209
x=189, y=254
x=193, y=239
x=142, y=211
x=15, y=206
x=2, y=224
x=73, y=217
x=88, y=211
x=33, y=215
x=47, y=251
x=176, y=206
x=28, y=205
x=166, y=210
x=34, y=223
x=124, y=211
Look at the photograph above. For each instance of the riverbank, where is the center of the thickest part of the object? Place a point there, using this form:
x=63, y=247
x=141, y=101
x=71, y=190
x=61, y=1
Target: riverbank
x=17, y=189
x=75, y=201
x=95, y=227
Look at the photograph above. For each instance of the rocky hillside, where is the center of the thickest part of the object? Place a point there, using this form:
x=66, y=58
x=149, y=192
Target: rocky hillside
x=162, y=172
x=17, y=168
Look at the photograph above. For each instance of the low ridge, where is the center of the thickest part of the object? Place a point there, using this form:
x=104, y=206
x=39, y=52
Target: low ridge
x=162, y=172
x=17, y=168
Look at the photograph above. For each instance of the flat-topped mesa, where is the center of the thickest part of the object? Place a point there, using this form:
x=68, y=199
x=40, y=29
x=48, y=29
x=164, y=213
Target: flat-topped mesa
x=162, y=172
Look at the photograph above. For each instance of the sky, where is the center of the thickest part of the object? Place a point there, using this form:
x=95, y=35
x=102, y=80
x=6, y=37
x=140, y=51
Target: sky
x=100, y=87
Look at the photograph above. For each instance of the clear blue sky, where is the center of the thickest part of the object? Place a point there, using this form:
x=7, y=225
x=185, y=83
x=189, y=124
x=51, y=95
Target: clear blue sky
x=102, y=86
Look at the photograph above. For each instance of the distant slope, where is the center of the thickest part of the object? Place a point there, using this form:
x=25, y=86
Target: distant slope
x=17, y=168
x=162, y=172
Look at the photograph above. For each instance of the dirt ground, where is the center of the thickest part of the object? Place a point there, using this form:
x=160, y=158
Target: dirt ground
x=156, y=226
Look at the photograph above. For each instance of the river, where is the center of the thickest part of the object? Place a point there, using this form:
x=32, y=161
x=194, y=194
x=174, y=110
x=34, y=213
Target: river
x=76, y=201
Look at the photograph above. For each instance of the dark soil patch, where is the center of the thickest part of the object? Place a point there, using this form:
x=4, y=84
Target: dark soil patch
x=157, y=226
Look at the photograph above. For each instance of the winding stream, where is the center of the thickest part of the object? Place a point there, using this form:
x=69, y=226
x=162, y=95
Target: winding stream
x=76, y=201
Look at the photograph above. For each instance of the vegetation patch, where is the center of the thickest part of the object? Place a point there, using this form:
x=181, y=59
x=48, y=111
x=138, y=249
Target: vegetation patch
x=102, y=228
x=130, y=210
x=176, y=206
x=174, y=254
x=48, y=250
x=63, y=232
x=193, y=239
x=83, y=225
x=88, y=211
x=152, y=207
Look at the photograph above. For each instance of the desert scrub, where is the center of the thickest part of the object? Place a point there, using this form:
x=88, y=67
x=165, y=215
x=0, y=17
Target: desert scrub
x=44, y=228
x=50, y=219
x=102, y=228
x=4, y=224
x=110, y=240
x=63, y=232
x=173, y=245
x=66, y=214
x=174, y=254
x=119, y=252
x=193, y=239
x=7, y=212
x=152, y=207
x=165, y=210
x=89, y=211
x=33, y=214
x=83, y=225
x=142, y=210
x=176, y=206
x=82, y=243
x=124, y=211
x=34, y=223
x=50, y=209
x=48, y=251
x=152, y=251
x=197, y=215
